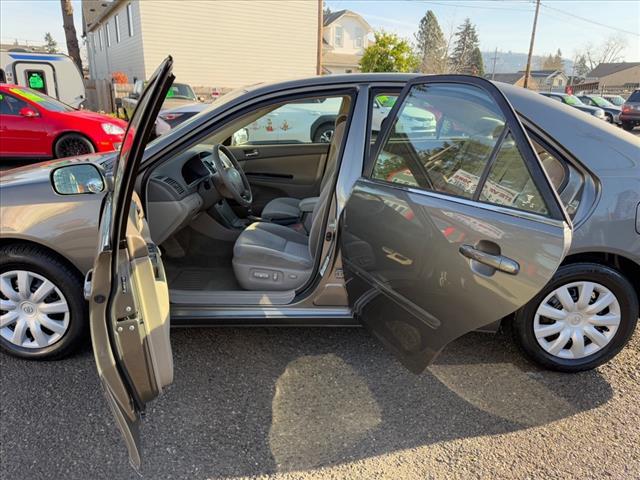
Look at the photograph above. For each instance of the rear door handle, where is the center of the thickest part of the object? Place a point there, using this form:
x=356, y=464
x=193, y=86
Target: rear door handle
x=499, y=262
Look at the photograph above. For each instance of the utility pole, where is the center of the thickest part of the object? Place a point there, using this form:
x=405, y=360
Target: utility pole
x=527, y=72
x=319, y=38
x=493, y=69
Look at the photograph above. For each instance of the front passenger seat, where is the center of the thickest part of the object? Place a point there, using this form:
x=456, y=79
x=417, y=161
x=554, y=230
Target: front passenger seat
x=268, y=256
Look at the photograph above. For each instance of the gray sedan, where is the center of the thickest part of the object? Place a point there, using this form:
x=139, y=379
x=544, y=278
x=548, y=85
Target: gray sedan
x=516, y=210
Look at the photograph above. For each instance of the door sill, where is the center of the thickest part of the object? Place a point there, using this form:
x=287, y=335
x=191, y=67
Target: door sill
x=232, y=298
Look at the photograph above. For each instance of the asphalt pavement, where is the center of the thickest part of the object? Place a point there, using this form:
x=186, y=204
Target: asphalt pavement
x=328, y=403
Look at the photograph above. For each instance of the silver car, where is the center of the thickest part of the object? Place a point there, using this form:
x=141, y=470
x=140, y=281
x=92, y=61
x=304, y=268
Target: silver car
x=514, y=210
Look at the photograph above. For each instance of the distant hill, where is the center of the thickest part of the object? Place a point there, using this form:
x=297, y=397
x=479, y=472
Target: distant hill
x=509, y=62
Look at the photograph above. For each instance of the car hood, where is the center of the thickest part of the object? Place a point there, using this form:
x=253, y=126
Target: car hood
x=176, y=102
x=98, y=117
x=40, y=172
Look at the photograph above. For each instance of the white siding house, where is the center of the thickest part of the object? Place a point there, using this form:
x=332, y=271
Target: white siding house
x=227, y=43
x=345, y=35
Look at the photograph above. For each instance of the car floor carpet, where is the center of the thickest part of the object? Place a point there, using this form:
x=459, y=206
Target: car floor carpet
x=202, y=278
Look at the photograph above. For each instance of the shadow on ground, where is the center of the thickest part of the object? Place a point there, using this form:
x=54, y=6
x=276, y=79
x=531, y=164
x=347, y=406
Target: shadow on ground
x=250, y=402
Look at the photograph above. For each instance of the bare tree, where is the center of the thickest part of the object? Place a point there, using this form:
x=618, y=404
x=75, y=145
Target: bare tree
x=610, y=51
x=70, y=32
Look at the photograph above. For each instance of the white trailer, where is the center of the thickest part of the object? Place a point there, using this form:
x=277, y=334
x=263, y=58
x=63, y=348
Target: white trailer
x=53, y=74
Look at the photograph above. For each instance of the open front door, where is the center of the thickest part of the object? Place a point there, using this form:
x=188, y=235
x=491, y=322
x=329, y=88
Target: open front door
x=452, y=228
x=129, y=302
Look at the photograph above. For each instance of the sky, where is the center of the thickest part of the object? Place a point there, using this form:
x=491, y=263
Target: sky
x=502, y=24
x=506, y=24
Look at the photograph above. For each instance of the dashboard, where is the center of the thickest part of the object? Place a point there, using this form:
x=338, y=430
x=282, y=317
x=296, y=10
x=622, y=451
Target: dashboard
x=179, y=191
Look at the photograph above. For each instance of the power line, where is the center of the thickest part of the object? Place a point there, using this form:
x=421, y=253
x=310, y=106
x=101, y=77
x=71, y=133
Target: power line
x=481, y=7
x=594, y=22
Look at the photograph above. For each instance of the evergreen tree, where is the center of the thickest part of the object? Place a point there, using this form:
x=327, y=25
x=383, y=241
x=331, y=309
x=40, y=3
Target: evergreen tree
x=389, y=53
x=50, y=44
x=431, y=45
x=466, y=41
x=477, y=63
x=581, y=68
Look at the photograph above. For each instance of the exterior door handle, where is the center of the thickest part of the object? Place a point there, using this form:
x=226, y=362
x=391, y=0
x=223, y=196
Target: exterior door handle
x=499, y=262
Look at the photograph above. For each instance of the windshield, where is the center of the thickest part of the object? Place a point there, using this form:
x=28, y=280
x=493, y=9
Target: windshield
x=181, y=90
x=572, y=100
x=601, y=102
x=42, y=100
x=617, y=100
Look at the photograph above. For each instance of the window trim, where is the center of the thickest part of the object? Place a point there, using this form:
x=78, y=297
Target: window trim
x=335, y=36
x=130, y=19
x=532, y=163
x=116, y=22
x=100, y=38
x=107, y=35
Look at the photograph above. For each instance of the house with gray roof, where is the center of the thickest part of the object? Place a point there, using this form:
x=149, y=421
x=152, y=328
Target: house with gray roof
x=345, y=35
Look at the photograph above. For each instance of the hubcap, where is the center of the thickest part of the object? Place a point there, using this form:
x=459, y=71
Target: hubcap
x=326, y=136
x=33, y=311
x=577, y=320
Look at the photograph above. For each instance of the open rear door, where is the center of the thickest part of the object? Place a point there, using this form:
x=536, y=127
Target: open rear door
x=129, y=302
x=449, y=229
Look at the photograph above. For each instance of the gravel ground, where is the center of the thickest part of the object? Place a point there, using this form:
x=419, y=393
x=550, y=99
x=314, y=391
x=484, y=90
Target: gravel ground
x=329, y=403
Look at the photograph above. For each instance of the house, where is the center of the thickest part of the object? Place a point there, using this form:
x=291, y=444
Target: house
x=549, y=79
x=513, y=79
x=345, y=35
x=226, y=44
x=610, y=75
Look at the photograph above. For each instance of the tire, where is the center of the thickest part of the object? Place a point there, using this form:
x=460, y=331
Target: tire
x=70, y=327
x=527, y=320
x=628, y=126
x=608, y=117
x=324, y=133
x=72, y=144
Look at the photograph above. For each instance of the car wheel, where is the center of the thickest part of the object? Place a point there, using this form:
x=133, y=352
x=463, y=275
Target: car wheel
x=324, y=133
x=72, y=144
x=580, y=320
x=608, y=117
x=628, y=126
x=43, y=314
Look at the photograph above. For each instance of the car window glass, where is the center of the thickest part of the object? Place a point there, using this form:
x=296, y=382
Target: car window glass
x=310, y=120
x=509, y=182
x=553, y=166
x=10, y=105
x=45, y=101
x=634, y=97
x=380, y=107
x=441, y=140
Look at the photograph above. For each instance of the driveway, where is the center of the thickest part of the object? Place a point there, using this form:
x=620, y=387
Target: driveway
x=329, y=403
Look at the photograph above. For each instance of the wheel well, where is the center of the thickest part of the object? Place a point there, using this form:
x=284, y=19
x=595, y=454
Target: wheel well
x=628, y=268
x=55, y=140
x=16, y=241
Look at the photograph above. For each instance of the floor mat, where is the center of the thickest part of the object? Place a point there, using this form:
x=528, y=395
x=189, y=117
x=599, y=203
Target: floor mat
x=211, y=278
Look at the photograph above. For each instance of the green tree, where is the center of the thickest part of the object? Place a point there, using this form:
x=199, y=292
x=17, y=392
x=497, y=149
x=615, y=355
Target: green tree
x=50, y=44
x=466, y=41
x=477, y=63
x=389, y=53
x=581, y=68
x=431, y=45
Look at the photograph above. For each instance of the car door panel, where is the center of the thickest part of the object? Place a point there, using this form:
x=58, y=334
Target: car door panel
x=292, y=170
x=129, y=299
x=423, y=267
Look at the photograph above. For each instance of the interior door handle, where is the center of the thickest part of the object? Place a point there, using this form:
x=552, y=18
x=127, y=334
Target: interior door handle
x=251, y=153
x=499, y=262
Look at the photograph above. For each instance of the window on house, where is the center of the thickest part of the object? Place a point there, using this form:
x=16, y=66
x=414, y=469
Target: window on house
x=130, y=19
x=100, y=38
x=338, y=37
x=358, y=42
x=116, y=22
x=108, y=35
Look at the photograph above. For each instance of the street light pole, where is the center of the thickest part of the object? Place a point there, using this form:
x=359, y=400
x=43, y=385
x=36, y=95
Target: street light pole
x=527, y=72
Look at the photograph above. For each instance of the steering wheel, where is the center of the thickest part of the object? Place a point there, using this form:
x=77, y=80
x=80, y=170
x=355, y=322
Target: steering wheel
x=230, y=178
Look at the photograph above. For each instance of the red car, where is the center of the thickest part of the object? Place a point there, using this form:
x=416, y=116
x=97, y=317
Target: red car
x=35, y=125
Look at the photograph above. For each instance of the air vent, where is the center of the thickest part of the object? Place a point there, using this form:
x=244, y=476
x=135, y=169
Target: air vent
x=173, y=184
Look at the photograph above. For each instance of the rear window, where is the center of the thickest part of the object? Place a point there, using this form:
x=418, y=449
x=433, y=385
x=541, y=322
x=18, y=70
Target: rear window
x=634, y=97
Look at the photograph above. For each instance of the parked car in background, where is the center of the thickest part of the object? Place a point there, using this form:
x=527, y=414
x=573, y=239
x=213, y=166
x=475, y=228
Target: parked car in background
x=34, y=125
x=179, y=94
x=53, y=74
x=630, y=115
x=575, y=102
x=617, y=100
x=436, y=232
x=611, y=112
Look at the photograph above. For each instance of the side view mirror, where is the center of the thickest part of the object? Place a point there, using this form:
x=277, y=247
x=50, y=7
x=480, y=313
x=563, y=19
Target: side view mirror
x=77, y=179
x=28, y=112
x=240, y=137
